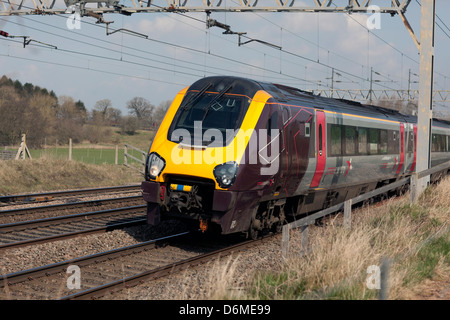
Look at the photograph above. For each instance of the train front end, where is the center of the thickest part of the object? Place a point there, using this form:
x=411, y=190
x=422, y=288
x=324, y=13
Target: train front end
x=198, y=165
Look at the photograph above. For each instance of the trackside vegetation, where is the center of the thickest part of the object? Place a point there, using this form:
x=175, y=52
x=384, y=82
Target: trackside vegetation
x=414, y=238
x=48, y=174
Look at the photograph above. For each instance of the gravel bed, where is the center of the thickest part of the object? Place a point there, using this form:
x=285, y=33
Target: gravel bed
x=218, y=279
x=69, y=211
x=175, y=287
x=23, y=258
x=74, y=199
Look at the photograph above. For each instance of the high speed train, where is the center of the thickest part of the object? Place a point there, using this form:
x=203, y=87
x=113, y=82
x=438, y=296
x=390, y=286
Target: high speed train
x=245, y=156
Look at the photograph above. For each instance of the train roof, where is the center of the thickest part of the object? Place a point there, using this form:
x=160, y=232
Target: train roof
x=291, y=95
x=294, y=96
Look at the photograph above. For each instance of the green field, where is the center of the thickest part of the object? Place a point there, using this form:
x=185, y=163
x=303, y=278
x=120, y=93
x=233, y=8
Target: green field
x=93, y=155
x=104, y=153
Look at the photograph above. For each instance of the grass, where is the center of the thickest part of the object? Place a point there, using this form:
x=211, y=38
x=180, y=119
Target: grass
x=415, y=238
x=93, y=154
x=104, y=153
x=49, y=174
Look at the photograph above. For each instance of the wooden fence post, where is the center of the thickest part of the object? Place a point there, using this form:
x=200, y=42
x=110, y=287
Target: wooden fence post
x=117, y=155
x=348, y=213
x=23, y=149
x=304, y=231
x=70, y=149
x=413, y=187
x=384, y=279
x=285, y=241
x=125, y=153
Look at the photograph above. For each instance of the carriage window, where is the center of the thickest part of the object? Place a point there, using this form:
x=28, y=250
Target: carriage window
x=433, y=143
x=320, y=139
x=383, y=141
x=393, y=142
x=442, y=143
x=411, y=142
x=336, y=140
x=307, y=130
x=438, y=143
x=350, y=140
x=374, y=141
x=362, y=140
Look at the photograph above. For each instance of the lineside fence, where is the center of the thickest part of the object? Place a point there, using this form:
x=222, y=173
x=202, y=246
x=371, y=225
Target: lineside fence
x=347, y=207
x=133, y=162
x=304, y=223
x=132, y=156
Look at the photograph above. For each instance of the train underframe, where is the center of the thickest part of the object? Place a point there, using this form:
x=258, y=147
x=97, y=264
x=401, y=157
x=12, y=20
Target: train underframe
x=247, y=211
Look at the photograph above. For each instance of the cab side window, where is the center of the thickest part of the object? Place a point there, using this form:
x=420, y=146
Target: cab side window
x=272, y=124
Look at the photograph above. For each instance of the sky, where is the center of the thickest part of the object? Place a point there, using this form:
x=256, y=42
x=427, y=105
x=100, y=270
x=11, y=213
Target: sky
x=90, y=65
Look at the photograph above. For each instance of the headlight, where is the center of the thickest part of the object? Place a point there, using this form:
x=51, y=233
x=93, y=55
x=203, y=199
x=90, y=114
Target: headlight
x=225, y=174
x=155, y=165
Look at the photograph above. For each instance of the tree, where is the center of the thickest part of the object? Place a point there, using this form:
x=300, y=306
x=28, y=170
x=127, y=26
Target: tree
x=109, y=116
x=70, y=120
x=102, y=106
x=113, y=116
x=129, y=125
x=142, y=109
x=80, y=105
x=40, y=118
x=160, y=112
x=12, y=119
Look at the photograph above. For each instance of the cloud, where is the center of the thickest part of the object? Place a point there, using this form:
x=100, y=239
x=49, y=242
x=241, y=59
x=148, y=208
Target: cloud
x=161, y=24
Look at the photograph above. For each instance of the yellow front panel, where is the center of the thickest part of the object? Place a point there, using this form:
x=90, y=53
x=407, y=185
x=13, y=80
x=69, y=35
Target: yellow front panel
x=197, y=161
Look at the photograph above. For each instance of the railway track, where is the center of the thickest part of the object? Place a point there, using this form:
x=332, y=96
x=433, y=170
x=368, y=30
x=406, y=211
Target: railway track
x=57, y=228
x=48, y=196
x=33, y=213
x=105, y=274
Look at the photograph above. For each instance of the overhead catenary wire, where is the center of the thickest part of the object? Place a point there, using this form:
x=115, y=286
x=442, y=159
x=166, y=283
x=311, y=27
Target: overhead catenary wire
x=290, y=77
x=165, y=43
x=257, y=67
x=136, y=56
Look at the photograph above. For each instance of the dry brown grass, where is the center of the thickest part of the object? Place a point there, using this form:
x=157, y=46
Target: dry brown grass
x=217, y=283
x=45, y=174
x=414, y=237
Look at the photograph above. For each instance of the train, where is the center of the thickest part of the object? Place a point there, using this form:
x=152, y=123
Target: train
x=244, y=156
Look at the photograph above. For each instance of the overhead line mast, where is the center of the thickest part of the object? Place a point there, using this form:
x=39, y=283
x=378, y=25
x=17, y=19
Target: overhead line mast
x=425, y=45
x=114, y=6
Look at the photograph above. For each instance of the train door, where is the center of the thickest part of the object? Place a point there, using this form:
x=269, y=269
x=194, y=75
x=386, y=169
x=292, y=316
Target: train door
x=275, y=157
x=320, y=148
x=402, y=148
x=409, y=156
x=413, y=166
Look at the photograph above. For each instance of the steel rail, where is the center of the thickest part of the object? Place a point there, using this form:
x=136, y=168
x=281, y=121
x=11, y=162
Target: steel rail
x=46, y=196
x=69, y=235
x=72, y=205
x=31, y=224
x=84, y=217
x=30, y=274
x=115, y=286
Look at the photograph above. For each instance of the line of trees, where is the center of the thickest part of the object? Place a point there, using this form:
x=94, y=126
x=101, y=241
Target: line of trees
x=48, y=119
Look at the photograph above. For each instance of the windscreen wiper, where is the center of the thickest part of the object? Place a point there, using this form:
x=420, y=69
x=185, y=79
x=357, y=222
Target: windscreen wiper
x=188, y=104
x=220, y=95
